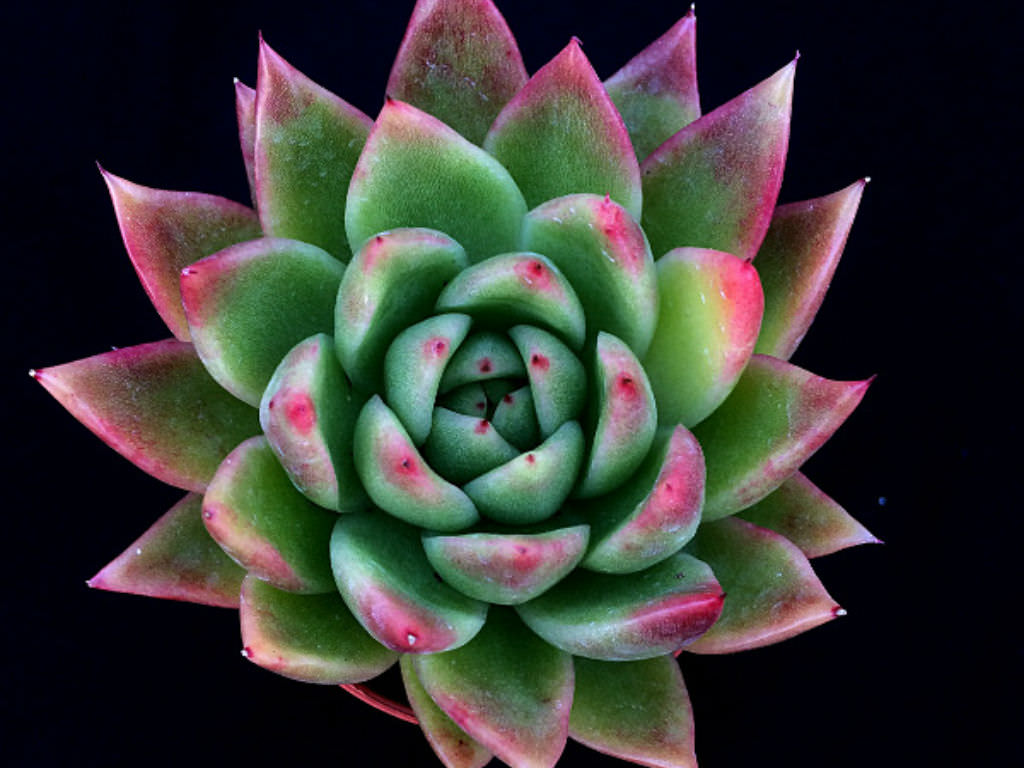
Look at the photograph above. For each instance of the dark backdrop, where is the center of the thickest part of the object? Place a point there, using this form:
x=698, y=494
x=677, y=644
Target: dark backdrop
x=924, y=670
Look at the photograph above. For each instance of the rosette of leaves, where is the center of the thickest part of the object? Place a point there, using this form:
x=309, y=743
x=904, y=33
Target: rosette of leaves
x=494, y=387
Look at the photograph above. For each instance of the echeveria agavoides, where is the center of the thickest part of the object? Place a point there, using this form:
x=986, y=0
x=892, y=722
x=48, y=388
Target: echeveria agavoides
x=492, y=386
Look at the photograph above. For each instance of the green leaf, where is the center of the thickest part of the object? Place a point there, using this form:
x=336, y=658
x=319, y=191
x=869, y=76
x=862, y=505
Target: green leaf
x=388, y=584
x=771, y=591
x=459, y=62
x=628, y=617
x=258, y=517
x=306, y=146
x=157, y=406
x=564, y=119
x=634, y=710
x=714, y=184
x=308, y=415
x=462, y=447
x=507, y=689
x=415, y=171
x=249, y=304
x=482, y=357
x=175, y=560
x=775, y=419
x=310, y=638
x=398, y=479
x=711, y=305
x=558, y=381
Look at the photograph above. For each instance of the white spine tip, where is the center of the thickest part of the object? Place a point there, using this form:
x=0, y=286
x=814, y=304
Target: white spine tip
x=796, y=56
x=838, y=612
x=867, y=179
x=35, y=375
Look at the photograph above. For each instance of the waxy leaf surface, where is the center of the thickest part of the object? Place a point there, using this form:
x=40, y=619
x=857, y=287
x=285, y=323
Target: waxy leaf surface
x=258, y=517
x=507, y=688
x=165, y=231
x=157, y=406
x=307, y=144
x=715, y=182
x=771, y=590
x=245, y=113
x=459, y=62
x=564, y=119
x=249, y=304
x=310, y=638
x=175, y=560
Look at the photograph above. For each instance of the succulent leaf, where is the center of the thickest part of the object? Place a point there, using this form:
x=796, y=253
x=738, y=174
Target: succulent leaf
x=532, y=486
x=245, y=113
x=653, y=514
x=656, y=91
x=772, y=591
x=469, y=400
x=628, y=617
x=175, y=560
x=391, y=283
x=258, y=517
x=563, y=118
x=308, y=414
x=558, y=381
x=388, y=584
x=459, y=62
x=455, y=747
x=507, y=688
x=415, y=171
x=518, y=287
x=710, y=312
x=805, y=515
x=165, y=231
x=398, y=479
x=311, y=638
x=793, y=411
x=715, y=182
x=462, y=447
x=413, y=367
x=242, y=313
x=515, y=418
x=483, y=357
x=306, y=147
x=634, y=710
x=506, y=568
x=627, y=418
x=157, y=406
x=796, y=262
x=602, y=251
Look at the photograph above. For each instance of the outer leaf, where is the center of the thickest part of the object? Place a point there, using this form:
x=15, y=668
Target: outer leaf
x=176, y=560
x=634, y=710
x=628, y=617
x=714, y=184
x=459, y=62
x=156, y=406
x=775, y=419
x=245, y=112
x=654, y=513
x=308, y=413
x=398, y=479
x=772, y=592
x=603, y=252
x=311, y=638
x=796, y=262
x=506, y=568
x=269, y=528
x=387, y=582
x=801, y=512
x=656, y=92
x=415, y=171
x=392, y=282
x=306, y=147
x=711, y=305
x=166, y=231
x=249, y=304
x=563, y=118
x=507, y=688
x=455, y=747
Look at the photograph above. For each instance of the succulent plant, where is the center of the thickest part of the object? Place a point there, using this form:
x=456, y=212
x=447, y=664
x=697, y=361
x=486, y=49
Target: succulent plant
x=494, y=387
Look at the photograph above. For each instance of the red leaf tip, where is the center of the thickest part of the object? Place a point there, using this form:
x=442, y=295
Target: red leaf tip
x=576, y=41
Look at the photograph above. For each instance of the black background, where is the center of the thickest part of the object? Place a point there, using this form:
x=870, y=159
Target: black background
x=926, y=668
